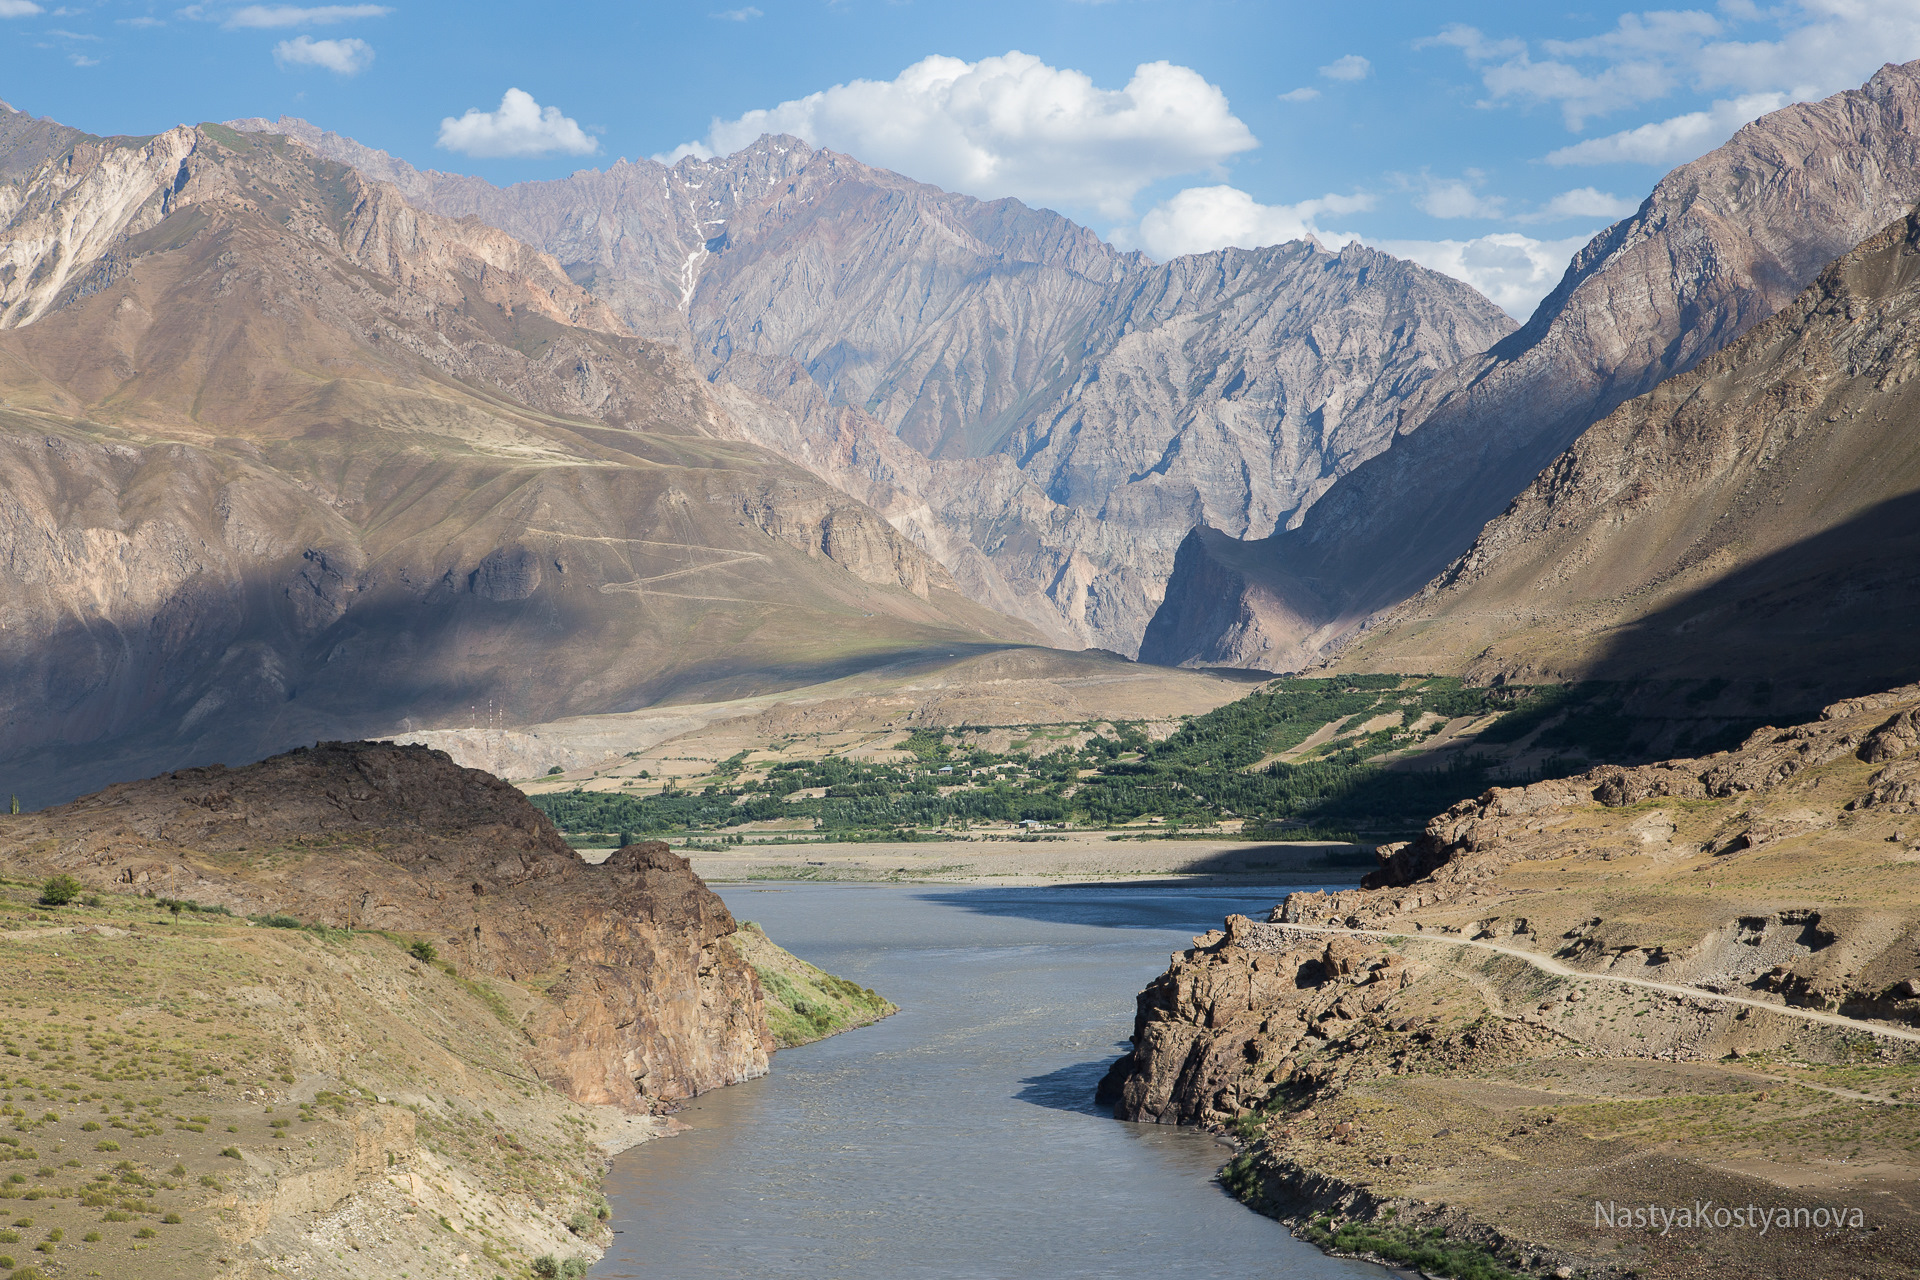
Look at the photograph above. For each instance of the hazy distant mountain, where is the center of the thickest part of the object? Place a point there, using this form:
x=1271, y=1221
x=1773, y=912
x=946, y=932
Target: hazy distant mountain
x=1756, y=519
x=1721, y=244
x=283, y=457
x=1046, y=415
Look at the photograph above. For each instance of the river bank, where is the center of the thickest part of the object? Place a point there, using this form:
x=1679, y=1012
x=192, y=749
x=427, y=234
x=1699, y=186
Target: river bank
x=1052, y=858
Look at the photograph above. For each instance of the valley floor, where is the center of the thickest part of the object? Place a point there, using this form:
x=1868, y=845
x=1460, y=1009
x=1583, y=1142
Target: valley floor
x=1047, y=858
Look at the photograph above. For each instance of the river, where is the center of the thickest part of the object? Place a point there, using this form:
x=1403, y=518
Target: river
x=957, y=1139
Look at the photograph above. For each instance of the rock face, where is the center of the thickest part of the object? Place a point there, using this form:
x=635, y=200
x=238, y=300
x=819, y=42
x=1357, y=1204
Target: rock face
x=1751, y=520
x=286, y=458
x=1237, y=1014
x=1045, y=415
x=1721, y=244
x=648, y=1001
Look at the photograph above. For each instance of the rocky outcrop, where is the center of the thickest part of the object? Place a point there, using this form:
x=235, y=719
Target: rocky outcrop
x=647, y=1003
x=1723, y=525
x=1721, y=244
x=1243, y=1013
x=1045, y=415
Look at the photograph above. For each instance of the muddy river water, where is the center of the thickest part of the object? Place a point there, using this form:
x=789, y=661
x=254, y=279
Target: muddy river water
x=957, y=1139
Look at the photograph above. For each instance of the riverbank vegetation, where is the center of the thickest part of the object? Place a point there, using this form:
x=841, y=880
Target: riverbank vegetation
x=1367, y=755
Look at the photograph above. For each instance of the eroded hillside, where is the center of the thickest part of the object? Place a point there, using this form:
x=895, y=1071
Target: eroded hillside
x=1751, y=520
x=288, y=459
x=1698, y=980
x=1720, y=244
x=1046, y=415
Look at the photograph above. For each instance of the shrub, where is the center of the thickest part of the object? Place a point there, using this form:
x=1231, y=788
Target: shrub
x=422, y=951
x=59, y=890
x=145, y=1233
x=106, y=1144
x=171, y=1220
x=232, y=1153
x=554, y=770
x=546, y=1267
x=92, y=1237
x=573, y=1269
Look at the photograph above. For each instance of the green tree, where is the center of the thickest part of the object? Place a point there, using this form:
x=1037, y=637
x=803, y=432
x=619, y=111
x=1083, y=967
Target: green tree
x=59, y=890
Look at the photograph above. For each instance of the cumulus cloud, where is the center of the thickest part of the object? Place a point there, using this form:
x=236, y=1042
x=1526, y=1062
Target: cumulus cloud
x=290, y=15
x=1513, y=270
x=344, y=57
x=19, y=8
x=1200, y=219
x=521, y=127
x=1800, y=48
x=1581, y=202
x=1675, y=141
x=1011, y=126
x=1351, y=67
x=1305, y=93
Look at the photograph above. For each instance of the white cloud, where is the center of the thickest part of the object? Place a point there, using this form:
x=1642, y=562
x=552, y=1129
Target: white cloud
x=1581, y=202
x=1351, y=67
x=1671, y=142
x=141, y=22
x=1458, y=197
x=1800, y=48
x=346, y=57
x=1200, y=219
x=19, y=8
x=521, y=127
x=290, y=15
x=1513, y=270
x=738, y=15
x=1306, y=93
x=1011, y=126
x=82, y=60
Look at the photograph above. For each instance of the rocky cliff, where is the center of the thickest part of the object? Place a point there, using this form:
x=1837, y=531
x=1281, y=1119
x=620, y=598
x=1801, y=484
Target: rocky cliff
x=1045, y=415
x=1720, y=244
x=287, y=459
x=1751, y=520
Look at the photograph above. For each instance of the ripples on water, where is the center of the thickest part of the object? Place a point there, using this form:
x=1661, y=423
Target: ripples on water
x=957, y=1139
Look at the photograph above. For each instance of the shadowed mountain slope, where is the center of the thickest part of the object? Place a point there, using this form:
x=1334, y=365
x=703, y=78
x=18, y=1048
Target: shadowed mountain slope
x=1044, y=414
x=1755, y=519
x=1721, y=244
x=286, y=458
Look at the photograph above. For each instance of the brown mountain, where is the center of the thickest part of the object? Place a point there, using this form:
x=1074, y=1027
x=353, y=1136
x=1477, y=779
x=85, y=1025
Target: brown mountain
x=1752, y=520
x=1721, y=244
x=1045, y=415
x=286, y=458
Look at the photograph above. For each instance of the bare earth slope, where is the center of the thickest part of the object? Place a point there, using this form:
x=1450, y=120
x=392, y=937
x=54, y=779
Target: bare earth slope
x=1751, y=520
x=1721, y=244
x=287, y=459
x=1679, y=983
x=1045, y=415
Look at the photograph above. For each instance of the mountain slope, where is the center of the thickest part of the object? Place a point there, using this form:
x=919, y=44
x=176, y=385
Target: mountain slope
x=1755, y=519
x=1044, y=414
x=287, y=458
x=1721, y=244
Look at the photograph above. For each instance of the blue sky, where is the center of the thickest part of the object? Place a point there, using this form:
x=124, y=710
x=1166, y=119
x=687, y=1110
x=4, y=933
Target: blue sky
x=1485, y=139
